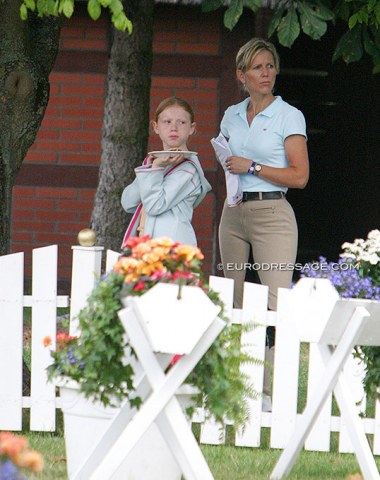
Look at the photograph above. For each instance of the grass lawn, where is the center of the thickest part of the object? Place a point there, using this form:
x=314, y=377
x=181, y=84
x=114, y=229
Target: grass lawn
x=226, y=462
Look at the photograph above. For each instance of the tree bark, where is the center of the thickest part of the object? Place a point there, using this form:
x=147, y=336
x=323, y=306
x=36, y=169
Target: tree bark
x=27, y=53
x=126, y=121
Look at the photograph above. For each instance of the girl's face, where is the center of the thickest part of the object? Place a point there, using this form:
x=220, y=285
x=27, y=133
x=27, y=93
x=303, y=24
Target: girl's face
x=261, y=75
x=174, y=127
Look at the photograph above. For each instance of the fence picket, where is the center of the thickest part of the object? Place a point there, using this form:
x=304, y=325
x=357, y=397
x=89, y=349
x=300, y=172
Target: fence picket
x=11, y=340
x=86, y=268
x=319, y=437
x=44, y=320
x=255, y=310
x=285, y=378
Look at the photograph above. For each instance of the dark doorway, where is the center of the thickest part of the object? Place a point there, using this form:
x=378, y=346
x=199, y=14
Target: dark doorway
x=341, y=105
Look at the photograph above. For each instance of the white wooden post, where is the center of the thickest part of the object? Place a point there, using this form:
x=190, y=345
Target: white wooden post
x=213, y=433
x=85, y=270
x=44, y=318
x=11, y=340
x=285, y=375
x=255, y=310
x=111, y=259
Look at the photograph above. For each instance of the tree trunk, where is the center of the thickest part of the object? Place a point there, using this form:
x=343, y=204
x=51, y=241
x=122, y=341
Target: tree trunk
x=27, y=54
x=126, y=121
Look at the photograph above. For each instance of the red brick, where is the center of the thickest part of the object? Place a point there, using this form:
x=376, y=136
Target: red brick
x=66, y=100
x=87, y=194
x=55, y=238
x=208, y=83
x=81, y=135
x=57, y=146
x=20, y=237
x=79, y=158
x=93, y=79
x=66, y=78
x=82, y=112
x=70, y=204
x=80, y=90
x=164, y=47
x=35, y=226
x=197, y=48
x=95, y=123
x=93, y=102
x=72, y=31
x=91, y=147
x=47, y=192
x=67, y=123
x=71, y=227
x=84, y=44
x=28, y=203
x=37, y=156
x=57, y=215
x=174, y=82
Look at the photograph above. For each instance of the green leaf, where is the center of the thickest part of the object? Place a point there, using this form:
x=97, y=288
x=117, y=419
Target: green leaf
x=67, y=8
x=31, y=4
x=254, y=5
x=211, y=5
x=350, y=46
x=352, y=21
x=94, y=9
x=323, y=12
x=121, y=22
x=312, y=26
x=116, y=6
x=275, y=20
x=233, y=13
x=289, y=28
x=23, y=12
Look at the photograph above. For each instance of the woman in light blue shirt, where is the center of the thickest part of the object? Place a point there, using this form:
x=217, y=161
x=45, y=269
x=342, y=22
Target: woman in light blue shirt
x=267, y=137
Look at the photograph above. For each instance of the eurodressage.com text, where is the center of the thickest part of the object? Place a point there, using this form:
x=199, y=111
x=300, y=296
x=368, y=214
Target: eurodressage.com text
x=304, y=267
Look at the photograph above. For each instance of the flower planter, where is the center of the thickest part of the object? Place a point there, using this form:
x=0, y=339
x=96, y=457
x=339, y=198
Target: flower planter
x=86, y=421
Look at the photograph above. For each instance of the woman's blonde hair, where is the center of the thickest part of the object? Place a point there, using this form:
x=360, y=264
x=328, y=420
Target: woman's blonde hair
x=170, y=102
x=248, y=52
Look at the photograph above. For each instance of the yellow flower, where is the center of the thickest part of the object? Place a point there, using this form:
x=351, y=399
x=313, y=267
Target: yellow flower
x=158, y=253
x=150, y=268
x=126, y=265
x=162, y=242
x=188, y=252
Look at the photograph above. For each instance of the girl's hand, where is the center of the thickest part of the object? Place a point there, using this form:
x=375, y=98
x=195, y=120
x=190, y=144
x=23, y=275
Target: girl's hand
x=164, y=161
x=238, y=164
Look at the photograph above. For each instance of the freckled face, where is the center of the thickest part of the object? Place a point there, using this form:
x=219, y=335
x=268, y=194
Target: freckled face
x=260, y=77
x=174, y=127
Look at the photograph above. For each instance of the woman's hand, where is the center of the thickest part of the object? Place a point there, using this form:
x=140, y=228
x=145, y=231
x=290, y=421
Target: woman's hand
x=164, y=161
x=238, y=164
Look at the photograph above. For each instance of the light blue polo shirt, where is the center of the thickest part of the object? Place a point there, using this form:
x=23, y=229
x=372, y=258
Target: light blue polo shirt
x=263, y=140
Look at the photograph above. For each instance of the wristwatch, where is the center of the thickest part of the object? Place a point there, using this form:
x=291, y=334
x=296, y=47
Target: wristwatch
x=255, y=168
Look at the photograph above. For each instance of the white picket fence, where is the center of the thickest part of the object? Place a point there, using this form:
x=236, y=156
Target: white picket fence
x=43, y=401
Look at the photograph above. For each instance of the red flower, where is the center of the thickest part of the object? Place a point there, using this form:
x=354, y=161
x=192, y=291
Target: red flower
x=133, y=241
x=139, y=286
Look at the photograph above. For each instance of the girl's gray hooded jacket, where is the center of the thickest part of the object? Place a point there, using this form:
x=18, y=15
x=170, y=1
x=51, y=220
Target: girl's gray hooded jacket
x=169, y=196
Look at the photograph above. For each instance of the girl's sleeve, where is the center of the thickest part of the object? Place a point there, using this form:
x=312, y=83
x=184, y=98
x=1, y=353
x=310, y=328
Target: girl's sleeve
x=160, y=194
x=130, y=198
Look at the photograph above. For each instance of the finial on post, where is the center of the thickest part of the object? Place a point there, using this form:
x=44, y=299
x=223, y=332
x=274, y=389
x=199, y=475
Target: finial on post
x=87, y=237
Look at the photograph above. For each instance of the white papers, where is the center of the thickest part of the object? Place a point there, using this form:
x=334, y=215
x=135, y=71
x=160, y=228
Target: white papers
x=222, y=150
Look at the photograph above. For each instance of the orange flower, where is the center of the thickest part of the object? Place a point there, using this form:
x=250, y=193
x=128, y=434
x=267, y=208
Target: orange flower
x=29, y=459
x=162, y=242
x=125, y=265
x=64, y=338
x=46, y=341
x=11, y=444
x=188, y=252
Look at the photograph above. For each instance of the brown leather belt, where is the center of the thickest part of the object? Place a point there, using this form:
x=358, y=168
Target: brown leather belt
x=247, y=196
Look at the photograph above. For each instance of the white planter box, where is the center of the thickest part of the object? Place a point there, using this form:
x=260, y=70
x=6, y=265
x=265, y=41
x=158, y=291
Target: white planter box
x=86, y=421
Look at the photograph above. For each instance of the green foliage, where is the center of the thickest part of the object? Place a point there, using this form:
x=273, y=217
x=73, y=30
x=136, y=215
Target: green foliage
x=290, y=17
x=66, y=8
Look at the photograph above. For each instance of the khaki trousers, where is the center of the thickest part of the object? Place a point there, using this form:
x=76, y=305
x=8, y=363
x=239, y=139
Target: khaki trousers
x=269, y=227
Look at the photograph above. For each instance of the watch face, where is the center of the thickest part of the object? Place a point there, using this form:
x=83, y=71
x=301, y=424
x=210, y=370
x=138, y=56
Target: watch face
x=257, y=168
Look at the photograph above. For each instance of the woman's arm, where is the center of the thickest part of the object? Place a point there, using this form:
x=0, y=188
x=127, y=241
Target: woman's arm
x=296, y=175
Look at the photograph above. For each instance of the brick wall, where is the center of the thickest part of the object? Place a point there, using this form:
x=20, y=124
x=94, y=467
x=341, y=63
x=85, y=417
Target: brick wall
x=51, y=205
